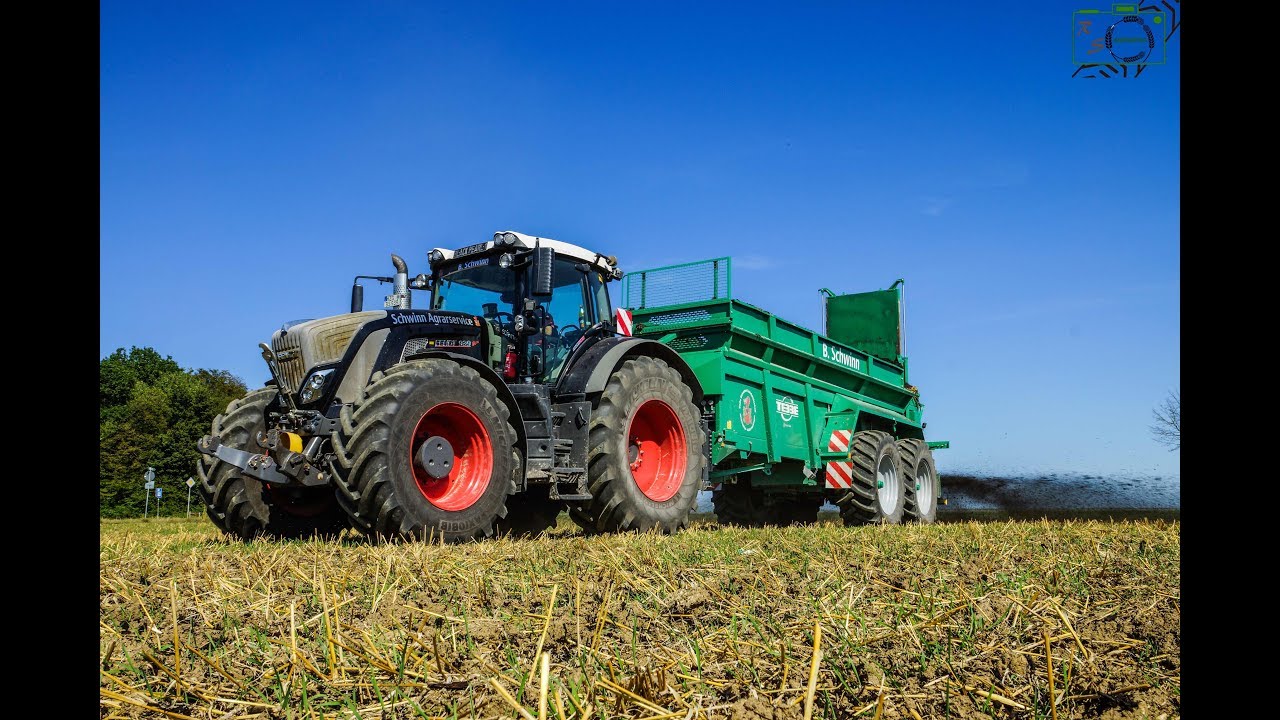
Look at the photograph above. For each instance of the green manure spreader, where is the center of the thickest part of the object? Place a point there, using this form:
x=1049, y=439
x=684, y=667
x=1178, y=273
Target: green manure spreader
x=513, y=390
x=795, y=418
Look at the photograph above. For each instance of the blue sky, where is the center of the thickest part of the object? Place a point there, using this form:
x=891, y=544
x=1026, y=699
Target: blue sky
x=255, y=156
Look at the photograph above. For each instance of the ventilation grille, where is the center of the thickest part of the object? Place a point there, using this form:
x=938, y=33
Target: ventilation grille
x=687, y=344
x=678, y=318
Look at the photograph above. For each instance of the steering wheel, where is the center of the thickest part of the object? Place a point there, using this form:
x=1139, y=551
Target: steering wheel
x=565, y=336
x=504, y=327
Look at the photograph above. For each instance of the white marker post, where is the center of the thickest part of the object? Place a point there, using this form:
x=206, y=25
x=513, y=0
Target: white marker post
x=190, y=484
x=150, y=477
x=159, y=494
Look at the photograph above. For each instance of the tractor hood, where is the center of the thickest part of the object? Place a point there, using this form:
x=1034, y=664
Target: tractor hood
x=302, y=346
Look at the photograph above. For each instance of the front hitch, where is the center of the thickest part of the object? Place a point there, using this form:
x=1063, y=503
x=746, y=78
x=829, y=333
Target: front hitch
x=292, y=469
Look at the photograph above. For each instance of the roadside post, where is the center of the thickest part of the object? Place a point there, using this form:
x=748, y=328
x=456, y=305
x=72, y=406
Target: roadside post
x=150, y=477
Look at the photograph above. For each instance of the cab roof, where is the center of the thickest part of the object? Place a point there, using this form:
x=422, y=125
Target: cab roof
x=511, y=238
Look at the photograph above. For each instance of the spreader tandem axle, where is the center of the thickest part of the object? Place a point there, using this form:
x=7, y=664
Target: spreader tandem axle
x=518, y=392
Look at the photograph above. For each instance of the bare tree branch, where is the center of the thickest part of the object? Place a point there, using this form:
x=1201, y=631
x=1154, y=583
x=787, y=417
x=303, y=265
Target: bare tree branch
x=1168, y=426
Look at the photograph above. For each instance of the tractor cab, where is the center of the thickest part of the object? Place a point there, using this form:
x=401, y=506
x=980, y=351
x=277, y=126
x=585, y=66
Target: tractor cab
x=543, y=299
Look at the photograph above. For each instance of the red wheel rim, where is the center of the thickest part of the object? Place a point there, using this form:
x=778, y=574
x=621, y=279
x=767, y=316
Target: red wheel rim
x=656, y=450
x=472, y=457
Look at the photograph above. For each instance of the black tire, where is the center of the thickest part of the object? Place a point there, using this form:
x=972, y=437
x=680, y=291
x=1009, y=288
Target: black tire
x=869, y=451
x=618, y=504
x=242, y=506
x=785, y=511
x=377, y=484
x=530, y=513
x=920, y=478
x=739, y=504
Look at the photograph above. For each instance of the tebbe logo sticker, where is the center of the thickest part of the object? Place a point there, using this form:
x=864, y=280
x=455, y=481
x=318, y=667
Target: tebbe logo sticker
x=787, y=410
x=746, y=410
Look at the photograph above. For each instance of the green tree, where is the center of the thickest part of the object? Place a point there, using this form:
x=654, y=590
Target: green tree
x=151, y=412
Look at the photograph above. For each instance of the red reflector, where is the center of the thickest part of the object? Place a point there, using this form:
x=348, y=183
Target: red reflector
x=509, y=366
x=623, y=321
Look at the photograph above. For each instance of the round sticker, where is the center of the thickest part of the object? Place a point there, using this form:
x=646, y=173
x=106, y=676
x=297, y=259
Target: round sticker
x=747, y=410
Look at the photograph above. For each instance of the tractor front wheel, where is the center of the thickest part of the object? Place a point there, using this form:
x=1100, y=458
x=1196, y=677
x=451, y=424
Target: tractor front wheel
x=427, y=451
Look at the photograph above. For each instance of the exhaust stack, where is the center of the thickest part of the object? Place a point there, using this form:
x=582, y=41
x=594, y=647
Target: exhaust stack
x=402, y=296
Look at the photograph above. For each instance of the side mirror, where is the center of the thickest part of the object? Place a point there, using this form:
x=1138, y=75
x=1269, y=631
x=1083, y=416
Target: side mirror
x=357, y=297
x=543, y=264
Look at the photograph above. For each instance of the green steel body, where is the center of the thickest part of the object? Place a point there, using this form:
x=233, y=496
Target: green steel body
x=776, y=391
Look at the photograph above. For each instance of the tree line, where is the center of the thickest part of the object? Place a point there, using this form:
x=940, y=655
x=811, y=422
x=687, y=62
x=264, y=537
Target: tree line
x=151, y=413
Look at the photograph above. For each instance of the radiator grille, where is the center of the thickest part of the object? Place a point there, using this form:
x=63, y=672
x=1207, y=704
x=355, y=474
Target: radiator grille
x=288, y=350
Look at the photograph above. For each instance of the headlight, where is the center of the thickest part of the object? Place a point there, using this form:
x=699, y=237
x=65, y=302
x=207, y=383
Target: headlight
x=435, y=256
x=313, y=387
x=505, y=260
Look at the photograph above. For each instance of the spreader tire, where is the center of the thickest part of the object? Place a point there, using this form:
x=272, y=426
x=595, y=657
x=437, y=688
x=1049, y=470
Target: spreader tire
x=876, y=495
x=920, y=479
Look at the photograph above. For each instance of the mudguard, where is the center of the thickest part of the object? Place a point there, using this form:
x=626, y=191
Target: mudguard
x=591, y=372
x=486, y=372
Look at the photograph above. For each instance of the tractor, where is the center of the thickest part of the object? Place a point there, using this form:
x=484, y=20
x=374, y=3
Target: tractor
x=513, y=393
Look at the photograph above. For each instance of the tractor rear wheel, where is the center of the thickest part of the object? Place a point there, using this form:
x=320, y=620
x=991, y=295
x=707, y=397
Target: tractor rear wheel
x=920, y=478
x=876, y=495
x=739, y=504
x=426, y=451
x=247, y=507
x=645, y=456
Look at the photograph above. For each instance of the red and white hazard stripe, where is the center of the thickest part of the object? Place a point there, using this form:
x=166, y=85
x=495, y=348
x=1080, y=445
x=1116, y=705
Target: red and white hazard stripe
x=625, y=323
x=840, y=474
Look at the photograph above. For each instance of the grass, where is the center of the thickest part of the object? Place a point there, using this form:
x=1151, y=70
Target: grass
x=951, y=620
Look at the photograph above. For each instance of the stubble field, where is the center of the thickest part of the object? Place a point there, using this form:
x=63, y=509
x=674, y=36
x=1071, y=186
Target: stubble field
x=1016, y=619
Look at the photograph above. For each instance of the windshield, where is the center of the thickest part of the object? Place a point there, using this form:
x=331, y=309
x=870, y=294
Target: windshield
x=483, y=289
x=554, y=323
